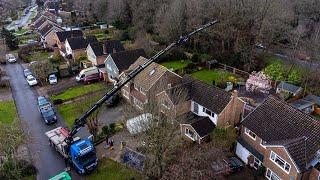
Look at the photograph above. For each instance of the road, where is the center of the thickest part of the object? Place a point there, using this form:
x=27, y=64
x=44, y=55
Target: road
x=23, y=21
x=47, y=161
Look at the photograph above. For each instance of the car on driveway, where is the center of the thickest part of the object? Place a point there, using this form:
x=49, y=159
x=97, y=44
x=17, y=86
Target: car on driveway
x=32, y=81
x=10, y=58
x=227, y=166
x=27, y=72
x=53, y=79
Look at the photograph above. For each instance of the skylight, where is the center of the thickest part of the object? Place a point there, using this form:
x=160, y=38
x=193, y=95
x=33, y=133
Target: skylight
x=152, y=72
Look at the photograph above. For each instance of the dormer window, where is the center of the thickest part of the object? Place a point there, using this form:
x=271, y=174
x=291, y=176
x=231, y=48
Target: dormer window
x=152, y=72
x=250, y=134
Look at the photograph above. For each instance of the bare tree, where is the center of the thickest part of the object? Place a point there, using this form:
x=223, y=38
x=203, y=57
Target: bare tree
x=41, y=70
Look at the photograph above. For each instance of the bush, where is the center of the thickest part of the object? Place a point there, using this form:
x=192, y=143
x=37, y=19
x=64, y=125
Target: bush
x=56, y=58
x=57, y=101
x=106, y=31
x=13, y=169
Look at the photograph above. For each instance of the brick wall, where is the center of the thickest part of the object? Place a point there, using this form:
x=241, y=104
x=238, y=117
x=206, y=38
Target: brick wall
x=267, y=162
x=232, y=114
x=314, y=174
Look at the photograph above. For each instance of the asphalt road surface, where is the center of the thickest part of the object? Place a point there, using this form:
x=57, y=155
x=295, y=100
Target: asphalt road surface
x=47, y=161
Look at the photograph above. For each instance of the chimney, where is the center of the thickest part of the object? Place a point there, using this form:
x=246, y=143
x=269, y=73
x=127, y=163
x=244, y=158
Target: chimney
x=235, y=93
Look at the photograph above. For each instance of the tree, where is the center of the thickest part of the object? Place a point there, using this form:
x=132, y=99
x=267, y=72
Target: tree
x=42, y=70
x=11, y=40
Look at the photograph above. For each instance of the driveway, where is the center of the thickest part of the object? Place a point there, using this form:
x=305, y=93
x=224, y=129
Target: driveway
x=47, y=161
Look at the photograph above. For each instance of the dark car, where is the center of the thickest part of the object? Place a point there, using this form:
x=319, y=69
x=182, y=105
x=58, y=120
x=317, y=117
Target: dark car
x=113, y=101
x=227, y=166
x=48, y=114
x=235, y=164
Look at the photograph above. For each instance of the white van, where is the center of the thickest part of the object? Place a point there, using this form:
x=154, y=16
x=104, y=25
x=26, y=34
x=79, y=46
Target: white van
x=87, y=72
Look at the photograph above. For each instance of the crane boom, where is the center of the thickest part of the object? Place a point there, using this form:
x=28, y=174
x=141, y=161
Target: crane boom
x=81, y=121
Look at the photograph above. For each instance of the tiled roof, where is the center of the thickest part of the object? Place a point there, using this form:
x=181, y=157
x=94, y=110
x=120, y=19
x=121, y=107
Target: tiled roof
x=203, y=126
x=80, y=42
x=46, y=29
x=150, y=76
x=113, y=46
x=278, y=123
x=62, y=36
x=97, y=48
x=211, y=97
x=40, y=22
x=289, y=87
x=124, y=59
x=313, y=98
x=301, y=104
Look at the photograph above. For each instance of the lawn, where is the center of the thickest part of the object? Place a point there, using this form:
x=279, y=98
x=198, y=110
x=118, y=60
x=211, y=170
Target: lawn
x=21, y=31
x=7, y=112
x=38, y=56
x=109, y=169
x=78, y=91
x=175, y=65
x=208, y=76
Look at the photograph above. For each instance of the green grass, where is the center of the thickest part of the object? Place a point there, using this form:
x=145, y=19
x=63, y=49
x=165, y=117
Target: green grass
x=208, y=76
x=21, y=31
x=8, y=112
x=175, y=65
x=38, y=56
x=109, y=169
x=78, y=91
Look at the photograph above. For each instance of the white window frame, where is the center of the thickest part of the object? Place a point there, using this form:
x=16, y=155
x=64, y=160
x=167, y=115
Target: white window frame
x=265, y=147
x=204, y=110
x=281, y=159
x=247, y=131
x=125, y=93
x=271, y=174
x=137, y=102
x=256, y=160
x=187, y=130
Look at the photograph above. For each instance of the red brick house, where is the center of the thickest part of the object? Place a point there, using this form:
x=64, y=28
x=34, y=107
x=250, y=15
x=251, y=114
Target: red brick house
x=143, y=88
x=283, y=139
x=61, y=37
x=201, y=107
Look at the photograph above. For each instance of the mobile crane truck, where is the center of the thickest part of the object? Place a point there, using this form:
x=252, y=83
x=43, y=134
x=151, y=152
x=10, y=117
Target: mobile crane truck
x=80, y=153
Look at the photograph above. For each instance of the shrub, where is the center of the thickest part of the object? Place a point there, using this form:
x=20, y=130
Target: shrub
x=57, y=101
x=13, y=168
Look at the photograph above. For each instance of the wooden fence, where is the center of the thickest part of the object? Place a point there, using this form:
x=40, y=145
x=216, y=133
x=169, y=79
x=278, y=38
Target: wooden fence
x=234, y=70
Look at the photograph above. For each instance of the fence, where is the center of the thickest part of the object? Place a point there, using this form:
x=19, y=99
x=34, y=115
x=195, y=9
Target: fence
x=234, y=70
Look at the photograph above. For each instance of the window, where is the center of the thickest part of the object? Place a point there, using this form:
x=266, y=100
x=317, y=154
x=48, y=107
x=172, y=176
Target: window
x=195, y=108
x=208, y=112
x=280, y=162
x=250, y=134
x=271, y=175
x=190, y=134
x=152, y=72
x=138, y=103
x=125, y=93
x=256, y=163
x=262, y=143
x=165, y=104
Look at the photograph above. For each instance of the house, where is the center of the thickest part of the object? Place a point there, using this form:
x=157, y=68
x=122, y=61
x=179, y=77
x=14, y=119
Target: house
x=98, y=51
x=77, y=45
x=40, y=19
x=315, y=172
x=316, y=100
x=210, y=106
x=117, y=62
x=61, y=37
x=47, y=34
x=152, y=80
x=292, y=90
x=283, y=139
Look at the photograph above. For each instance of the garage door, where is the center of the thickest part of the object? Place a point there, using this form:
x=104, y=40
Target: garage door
x=242, y=153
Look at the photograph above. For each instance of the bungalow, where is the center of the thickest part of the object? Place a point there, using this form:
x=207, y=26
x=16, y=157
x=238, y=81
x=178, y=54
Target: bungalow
x=77, y=45
x=152, y=80
x=98, y=51
x=292, y=90
x=117, y=62
x=61, y=37
x=209, y=106
x=281, y=138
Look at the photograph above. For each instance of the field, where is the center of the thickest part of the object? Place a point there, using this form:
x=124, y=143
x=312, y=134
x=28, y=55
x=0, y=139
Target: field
x=7, y=112
x=109, y=169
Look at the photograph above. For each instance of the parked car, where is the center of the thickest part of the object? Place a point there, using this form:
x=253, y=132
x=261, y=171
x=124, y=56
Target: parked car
x=27, y=72
x=46, y=110
x=32, y=81
x=113, y=101
x=227, y=166
x=10, y=58
x=53, y=79
x=260, y=46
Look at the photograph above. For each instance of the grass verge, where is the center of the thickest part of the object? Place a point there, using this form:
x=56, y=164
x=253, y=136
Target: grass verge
x=109, y=169
x=175, y=65
x=78, y=91
x=208, y=76
x=8, y=112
